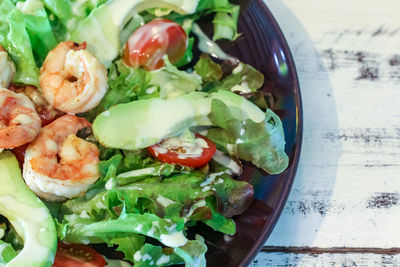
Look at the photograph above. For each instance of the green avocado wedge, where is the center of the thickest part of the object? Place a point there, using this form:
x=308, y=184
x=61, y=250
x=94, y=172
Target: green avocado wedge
x=29, y=216
x=143, y=123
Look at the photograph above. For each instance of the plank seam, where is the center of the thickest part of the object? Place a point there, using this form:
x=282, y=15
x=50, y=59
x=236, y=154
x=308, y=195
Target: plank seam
x=332, y=250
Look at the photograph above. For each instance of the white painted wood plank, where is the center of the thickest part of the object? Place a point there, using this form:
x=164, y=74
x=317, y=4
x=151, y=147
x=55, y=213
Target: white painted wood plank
x=324, y=260
x=347, y=189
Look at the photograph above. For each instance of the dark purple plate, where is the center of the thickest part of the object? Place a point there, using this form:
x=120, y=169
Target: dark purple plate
x=264, y=47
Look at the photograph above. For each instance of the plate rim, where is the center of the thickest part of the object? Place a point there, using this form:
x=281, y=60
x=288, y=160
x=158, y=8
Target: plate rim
x=268, y=228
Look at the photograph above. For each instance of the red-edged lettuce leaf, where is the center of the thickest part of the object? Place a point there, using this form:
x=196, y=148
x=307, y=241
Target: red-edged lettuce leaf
x=261, y=143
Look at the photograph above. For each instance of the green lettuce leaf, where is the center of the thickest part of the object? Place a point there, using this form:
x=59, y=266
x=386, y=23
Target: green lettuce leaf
x=261, y=143
x=218, y=222
x=15, y=40
x=13, y=238
x=173, y=82
x=69, y=13
x=225, y=24
x=150, y=255
x=154, y=206
x=244, y=78
x=129, y=245
x=125, y=85
x=60, y=9
x=80, y=229
x=179, y=198
x=38, y=27
x=7, y=252
x=208, y=69
x=225, y=19
x=193, y=253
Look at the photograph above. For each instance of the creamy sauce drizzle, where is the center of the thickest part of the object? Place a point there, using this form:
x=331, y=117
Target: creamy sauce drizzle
x=210, y=47
x=176, y=239
x=165, y=202
x=135, y=173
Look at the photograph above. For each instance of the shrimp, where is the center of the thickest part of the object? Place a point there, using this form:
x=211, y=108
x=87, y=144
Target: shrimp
x=46, y=112
x=19, y=121
x=7, y=69
x=59, y=165
x=72, y=79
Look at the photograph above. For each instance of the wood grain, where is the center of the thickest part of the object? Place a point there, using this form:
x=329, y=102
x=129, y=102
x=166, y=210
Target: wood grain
x=347, y=190
x=326, y=259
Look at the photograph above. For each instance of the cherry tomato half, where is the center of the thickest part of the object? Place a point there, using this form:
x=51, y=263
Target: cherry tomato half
x=176, y=155
x=147, y=46
x=76, y=255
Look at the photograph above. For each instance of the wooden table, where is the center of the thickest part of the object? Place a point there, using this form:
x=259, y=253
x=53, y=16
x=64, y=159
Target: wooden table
x=344, y=207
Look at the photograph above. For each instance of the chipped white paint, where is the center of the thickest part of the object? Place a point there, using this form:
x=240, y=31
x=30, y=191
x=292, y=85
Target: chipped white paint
x=347, y=189
x=325, y=260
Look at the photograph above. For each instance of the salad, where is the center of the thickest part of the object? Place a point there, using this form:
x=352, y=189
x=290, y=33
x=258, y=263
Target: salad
x=114, y=131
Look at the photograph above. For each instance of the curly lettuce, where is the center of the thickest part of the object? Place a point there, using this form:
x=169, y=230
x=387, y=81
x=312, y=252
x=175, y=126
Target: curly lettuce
x=160, y=205
x=262, y=143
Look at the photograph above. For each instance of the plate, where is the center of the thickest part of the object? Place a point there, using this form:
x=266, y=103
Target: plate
x=263, y=46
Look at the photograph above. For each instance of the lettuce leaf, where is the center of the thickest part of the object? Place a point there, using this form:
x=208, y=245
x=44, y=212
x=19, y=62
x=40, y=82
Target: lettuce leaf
x=125, y=85
x=208, y=70
x=154, y=207
x=7, y=252
x=15, y=40
x=261, y=143
x=225, y=19
x=172, y=82
x=38, y=27
x=244, y=78
x=129, y=245
x=218, y=222
x=150, y=255
x=193, y=253
x=69, y=13
x=79, y=229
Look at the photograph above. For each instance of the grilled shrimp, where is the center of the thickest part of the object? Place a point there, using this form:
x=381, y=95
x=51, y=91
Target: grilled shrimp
x=19, y=121
x=7, y=69
x=72, y=79
x=46, y=112
x=58, y=164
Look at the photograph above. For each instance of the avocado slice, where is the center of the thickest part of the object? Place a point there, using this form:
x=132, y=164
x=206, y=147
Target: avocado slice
x=101, y=29
x=29, y=216
x=142, y=123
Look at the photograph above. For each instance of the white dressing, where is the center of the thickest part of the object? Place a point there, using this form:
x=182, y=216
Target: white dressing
x=163, y=260
x=210, y=47
x=176, y=239
x=227, y=161
x=165, y=202
x=135, y=173
x=211, y=178
x=139, y=228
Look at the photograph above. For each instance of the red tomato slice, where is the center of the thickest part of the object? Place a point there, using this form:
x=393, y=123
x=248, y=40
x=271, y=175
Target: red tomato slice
x=176, y=155
x=147, y=46
x=75, y=255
